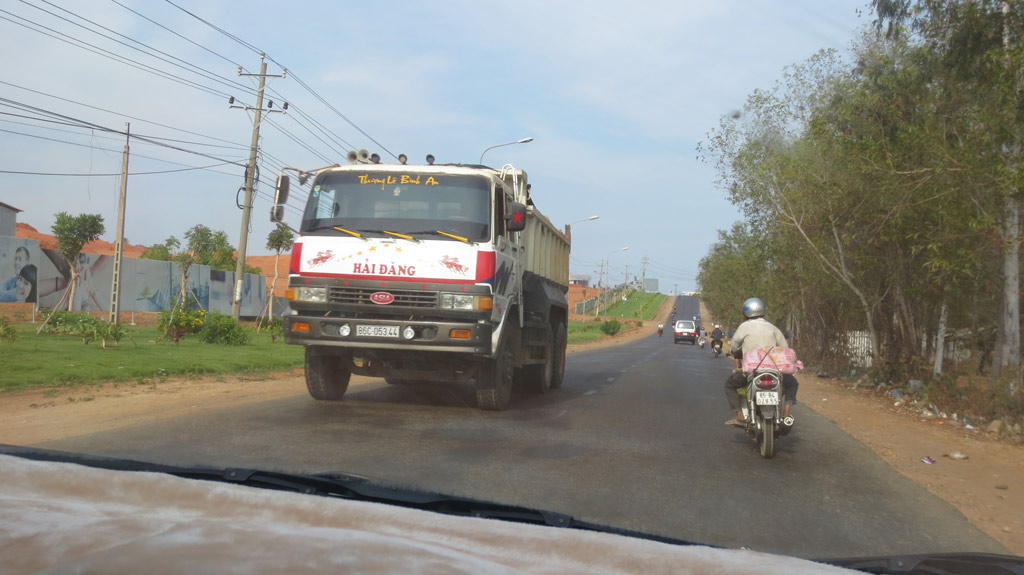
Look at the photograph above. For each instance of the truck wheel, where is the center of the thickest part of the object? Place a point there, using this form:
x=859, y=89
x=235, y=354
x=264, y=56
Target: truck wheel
x=327, y=375
x=539, y=375
x=558, y=366
x=494, y=381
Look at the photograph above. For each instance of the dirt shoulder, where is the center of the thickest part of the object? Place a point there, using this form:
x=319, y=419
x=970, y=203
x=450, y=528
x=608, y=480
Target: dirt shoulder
x=987, y=487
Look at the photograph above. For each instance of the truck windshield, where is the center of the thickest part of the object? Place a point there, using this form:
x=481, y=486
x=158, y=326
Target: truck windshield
x=411, y=202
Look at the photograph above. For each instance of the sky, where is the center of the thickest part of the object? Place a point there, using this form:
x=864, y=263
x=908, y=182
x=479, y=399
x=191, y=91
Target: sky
x=616, y=96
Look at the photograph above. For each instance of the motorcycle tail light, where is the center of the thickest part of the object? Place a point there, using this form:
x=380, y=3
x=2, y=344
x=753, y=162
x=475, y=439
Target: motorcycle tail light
x=766, y=381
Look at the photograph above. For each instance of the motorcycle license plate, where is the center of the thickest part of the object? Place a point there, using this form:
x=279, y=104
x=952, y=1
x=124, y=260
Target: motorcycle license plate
x=767, y=397
x=377, y=330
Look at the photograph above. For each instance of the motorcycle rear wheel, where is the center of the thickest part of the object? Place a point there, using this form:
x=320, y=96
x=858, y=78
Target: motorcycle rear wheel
x=766, y=437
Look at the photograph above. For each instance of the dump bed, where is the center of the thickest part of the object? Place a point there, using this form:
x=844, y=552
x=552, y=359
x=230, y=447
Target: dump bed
x=546, y=248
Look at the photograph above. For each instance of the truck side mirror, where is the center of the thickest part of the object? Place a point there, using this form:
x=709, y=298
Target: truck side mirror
x=280, y=198
x=515, y=217
x=283, y=184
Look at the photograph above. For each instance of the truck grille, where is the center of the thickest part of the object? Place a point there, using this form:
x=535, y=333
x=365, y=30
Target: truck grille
x=403, y=298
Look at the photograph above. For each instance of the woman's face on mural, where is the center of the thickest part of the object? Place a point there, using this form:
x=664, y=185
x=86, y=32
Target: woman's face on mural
x=22, y=289
x=19, y=261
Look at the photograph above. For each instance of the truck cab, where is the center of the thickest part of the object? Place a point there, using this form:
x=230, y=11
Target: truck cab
x=416, y=274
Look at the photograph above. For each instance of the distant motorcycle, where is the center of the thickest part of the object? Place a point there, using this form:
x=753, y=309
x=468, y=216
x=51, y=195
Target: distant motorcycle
x=716, y=347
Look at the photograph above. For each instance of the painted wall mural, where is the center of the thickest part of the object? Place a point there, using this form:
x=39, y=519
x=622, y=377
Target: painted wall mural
x=32, y=274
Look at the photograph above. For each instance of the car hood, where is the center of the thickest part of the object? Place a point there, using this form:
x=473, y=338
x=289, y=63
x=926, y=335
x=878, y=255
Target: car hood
x=65, y=517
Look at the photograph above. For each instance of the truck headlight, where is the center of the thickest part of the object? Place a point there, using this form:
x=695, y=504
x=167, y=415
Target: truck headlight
x=465, y=301
x=310, y=294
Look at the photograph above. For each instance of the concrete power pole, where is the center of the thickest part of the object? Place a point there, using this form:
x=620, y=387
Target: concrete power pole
x=115, y=287
x=250, y=179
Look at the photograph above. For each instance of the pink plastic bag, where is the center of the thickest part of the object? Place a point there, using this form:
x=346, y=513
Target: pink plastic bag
x=782, y=359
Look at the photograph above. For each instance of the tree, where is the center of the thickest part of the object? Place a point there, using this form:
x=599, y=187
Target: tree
x=72, y=233
x=210, y=248
x=163, y=252
x=978, y=42
x=280, y=239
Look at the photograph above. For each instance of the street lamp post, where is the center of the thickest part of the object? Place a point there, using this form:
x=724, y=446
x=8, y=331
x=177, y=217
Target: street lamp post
x=568, y=227
x=568, y=234
x=605, y=294
x=519, y=141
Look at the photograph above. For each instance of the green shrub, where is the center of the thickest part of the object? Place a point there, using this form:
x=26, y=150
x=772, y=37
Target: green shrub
x=84, y=326
x=181, y=321
x=7, y=333
x=611, y=327
x=220, y=328
x=79, y=324
x=276, y=329
x=109, y=332
x=60, y=321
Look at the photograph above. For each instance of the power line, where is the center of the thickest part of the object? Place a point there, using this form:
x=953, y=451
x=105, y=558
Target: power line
x=240, y=146
x=294, y=77
x=201, y=71
x=85, y=123
x=336, y=111
x=112, y=56
x=229, y=35
x=226, y=59
x=80, y=175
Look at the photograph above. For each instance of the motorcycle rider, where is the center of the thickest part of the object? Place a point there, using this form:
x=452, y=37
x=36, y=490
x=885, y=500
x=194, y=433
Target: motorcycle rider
x=717, y=335
x=756, y=332
x=661, y=328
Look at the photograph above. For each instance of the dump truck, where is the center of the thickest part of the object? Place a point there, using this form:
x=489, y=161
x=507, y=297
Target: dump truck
x=423, y=274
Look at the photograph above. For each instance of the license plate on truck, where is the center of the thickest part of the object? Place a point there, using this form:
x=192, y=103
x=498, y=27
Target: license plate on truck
x=377, y=330
x=767, y=397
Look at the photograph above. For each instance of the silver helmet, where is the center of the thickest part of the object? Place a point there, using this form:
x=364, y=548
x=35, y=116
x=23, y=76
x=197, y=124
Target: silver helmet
x=753, y=307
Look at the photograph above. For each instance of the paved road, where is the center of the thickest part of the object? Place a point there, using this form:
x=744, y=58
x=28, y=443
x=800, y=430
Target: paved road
x=634, y=439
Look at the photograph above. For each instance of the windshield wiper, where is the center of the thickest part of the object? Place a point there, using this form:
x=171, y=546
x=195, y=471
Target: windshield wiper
x=351, y=233
x=442, y=233
x=333, y=227
x=390, y=233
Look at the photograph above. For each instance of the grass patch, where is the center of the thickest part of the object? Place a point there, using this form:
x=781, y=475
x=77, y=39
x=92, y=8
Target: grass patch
x=61, y=361
x=584, y=331
x=48, y=360
x=638, y=306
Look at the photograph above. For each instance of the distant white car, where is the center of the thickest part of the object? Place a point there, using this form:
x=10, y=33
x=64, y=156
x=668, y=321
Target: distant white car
x=685, y=330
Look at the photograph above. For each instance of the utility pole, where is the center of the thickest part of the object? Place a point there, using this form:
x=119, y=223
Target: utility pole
x=250, y=179
x=115, y=286
x=643, y=274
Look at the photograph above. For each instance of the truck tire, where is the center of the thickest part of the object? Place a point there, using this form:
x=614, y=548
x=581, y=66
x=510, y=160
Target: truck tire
x=327, y=376
x=539, y=375
x=494, y=381
x=558, y=365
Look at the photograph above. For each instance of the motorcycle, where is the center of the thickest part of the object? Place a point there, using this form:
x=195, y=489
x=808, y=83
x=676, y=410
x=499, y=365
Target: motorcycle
x=660, y=331
x=701, y=341
x=716, y=347
x=763, y=409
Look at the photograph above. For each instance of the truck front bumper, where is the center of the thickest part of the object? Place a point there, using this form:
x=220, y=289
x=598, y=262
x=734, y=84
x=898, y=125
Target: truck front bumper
x=439, y=336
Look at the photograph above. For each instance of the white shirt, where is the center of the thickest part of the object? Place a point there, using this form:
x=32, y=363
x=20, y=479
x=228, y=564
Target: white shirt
x=757, y=333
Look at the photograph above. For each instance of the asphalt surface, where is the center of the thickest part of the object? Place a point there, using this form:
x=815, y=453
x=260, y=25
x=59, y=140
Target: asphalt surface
x=635, y=439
